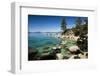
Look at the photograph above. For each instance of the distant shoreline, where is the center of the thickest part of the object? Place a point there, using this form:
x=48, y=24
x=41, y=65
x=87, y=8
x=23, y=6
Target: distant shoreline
x=58, y=35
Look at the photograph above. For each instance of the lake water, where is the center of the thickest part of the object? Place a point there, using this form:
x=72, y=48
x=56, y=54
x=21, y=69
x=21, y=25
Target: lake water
x=37, y=40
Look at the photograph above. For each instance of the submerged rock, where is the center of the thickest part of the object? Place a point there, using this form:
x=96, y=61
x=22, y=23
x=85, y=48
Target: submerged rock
x=56, y=49
x=64, y=42
x=48, y=56
x=45, y=48
x=31, y=50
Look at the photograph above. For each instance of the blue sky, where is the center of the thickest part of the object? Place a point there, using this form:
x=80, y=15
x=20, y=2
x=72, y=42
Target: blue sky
x=40, y=23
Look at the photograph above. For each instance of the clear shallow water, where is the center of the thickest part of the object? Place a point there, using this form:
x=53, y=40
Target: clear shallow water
x=37, y=40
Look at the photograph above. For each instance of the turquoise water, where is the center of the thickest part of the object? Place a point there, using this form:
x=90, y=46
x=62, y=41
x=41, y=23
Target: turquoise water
x=37, y=40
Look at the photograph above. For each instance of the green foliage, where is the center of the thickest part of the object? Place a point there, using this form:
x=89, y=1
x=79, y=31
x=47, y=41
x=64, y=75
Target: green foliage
x=81, y=30
x=64, y=32
x=82, y=42
x=63, y=25
x=78, y=27
x=76, y=31
x=78, y=22
x=81, y=27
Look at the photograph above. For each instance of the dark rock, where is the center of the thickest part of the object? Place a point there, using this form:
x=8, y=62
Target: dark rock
x=76, y=57
x=32, y=54
x=57, y=50
x=48, y=57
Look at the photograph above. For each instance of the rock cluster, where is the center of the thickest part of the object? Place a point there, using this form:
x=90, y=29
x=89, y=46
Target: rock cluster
x=77, y=53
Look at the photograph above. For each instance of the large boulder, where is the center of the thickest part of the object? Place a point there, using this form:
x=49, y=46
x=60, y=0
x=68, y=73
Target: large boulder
x=74, y=50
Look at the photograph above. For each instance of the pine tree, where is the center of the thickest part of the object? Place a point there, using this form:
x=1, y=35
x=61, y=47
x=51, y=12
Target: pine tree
x=78, y=22
x=82, y=41
x=78, y=29
x=63, y=25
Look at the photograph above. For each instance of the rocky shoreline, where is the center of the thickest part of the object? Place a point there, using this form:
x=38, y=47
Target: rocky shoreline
x=70, y=37
x=66, y=49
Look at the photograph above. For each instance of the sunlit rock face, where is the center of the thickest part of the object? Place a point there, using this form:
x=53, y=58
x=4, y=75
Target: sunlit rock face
x=74, y=48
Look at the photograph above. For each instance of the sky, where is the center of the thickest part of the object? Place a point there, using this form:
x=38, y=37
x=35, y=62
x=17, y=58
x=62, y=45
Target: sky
x=44, y=23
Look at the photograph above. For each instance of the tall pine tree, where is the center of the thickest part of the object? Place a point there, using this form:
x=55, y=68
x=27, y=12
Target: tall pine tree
x=78, y=22
x=77, y=29
x=63, y=25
